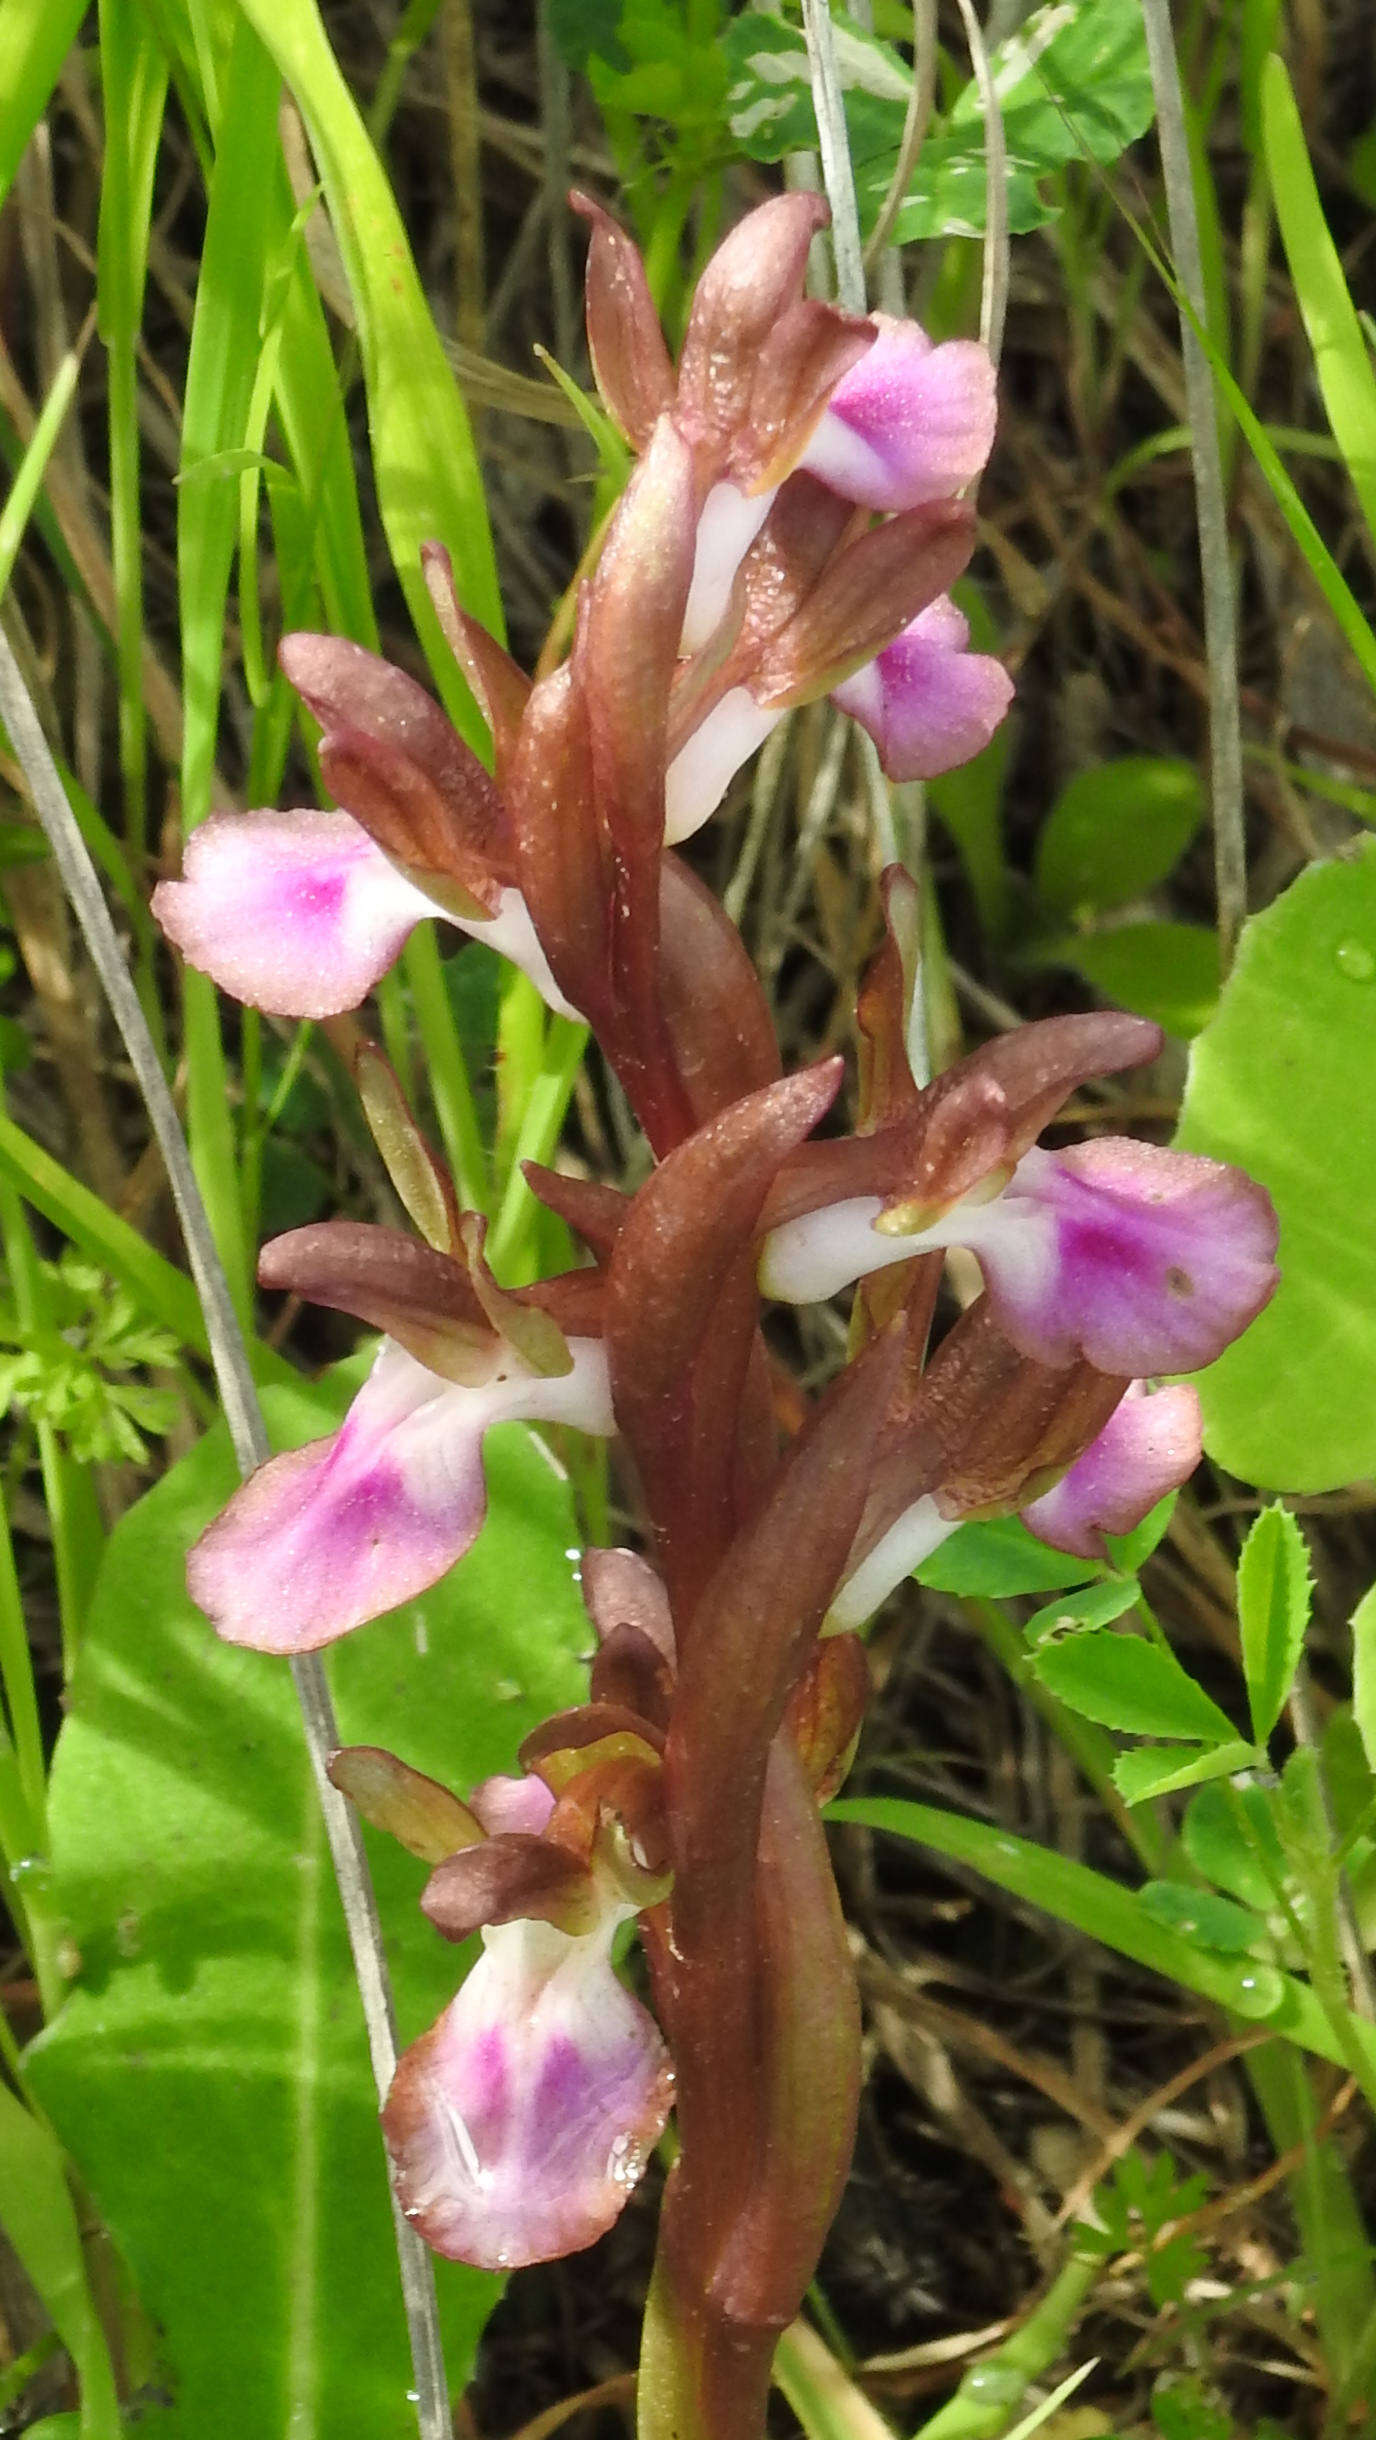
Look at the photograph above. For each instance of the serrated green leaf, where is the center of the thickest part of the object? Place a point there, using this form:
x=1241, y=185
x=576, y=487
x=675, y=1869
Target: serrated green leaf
x=1216, y=1923
x=209, y=2071
x=1273, y=1601
x=1163, y=1770
x=998, y=1559
x=1125, y=1683
x=1280, y=1082
x=1117, y=830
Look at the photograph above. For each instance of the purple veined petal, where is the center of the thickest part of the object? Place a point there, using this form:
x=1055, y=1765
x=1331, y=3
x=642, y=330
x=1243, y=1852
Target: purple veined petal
x=1150, y=1445
x=503, y=1803
x=909, y=423
x=928, y=703
x=728, y=522
x=299, y=913
x=327, y=1537
x=519, y=2123
x=1139, y=1259
x=512, y=934
x=910, y=1539
x=707, y=762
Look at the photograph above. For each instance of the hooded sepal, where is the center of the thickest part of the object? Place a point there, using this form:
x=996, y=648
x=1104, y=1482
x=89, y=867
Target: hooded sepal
x=755, y=274
x=630, y=361
x=393, y=760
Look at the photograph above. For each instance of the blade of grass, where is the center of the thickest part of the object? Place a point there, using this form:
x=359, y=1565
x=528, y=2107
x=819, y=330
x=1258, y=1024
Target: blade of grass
x=39, y=2218
x=428, y=481
x=33, y=465
x=74, y=1519
x=35, y=37
x=1342, y=360
x=249, y=1438
x=219, y=386
x=1215, y=559
x=1105, y=1911
x=134, y=86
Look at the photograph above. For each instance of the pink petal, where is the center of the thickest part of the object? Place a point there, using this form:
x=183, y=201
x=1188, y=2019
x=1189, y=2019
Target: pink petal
x=329, y=1536
x=1150, y=1445
x=705, y=765
x=1141, y=1260
x=927, y=702
x=296, y=913
x=519, y=2123
x=909, y=423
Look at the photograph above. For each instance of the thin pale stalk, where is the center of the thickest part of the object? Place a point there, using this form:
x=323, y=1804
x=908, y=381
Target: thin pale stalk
x=834, y=146
x=249, y=1437
x=993, y=304
x=1215, y=566
x=915, y=127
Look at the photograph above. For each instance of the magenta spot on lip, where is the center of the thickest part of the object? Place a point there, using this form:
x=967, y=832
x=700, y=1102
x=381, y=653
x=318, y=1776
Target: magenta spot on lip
x=314, y=897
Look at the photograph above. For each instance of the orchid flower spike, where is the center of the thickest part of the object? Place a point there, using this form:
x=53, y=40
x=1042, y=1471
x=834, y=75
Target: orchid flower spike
x=518, y=2125
x=324, y=1538
x=1138, y=1259
x=300, y=913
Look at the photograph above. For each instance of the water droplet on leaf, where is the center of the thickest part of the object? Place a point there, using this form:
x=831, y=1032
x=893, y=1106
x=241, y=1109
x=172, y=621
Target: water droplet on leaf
x=1355, y=960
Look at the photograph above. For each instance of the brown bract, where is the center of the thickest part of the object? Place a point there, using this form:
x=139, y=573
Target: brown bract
x=682, y=1314
x=390, y=757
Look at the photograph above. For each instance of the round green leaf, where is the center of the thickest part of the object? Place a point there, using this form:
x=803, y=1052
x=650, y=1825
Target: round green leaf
x=1281, y=1082
x=1165, y=971
x=1116, y=830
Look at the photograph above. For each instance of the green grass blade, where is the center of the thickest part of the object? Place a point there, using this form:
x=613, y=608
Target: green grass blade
x=134, y=86
x=1341, y=357
x=39, y=2218
x=219, y=388
x=1104, y=1910
x=428, y=481
x=28, y=478
x=35, y=37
